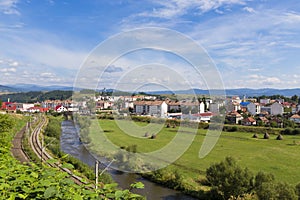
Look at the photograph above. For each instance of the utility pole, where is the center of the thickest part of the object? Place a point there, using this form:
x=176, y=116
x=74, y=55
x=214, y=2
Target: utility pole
x=96, y=174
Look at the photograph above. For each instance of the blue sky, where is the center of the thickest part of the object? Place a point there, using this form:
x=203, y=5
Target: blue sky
x=253, y=43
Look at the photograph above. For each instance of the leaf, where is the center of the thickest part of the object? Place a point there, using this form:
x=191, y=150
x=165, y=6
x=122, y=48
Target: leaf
x=12, y=197
x=68, y=166
x=50, y=192
x=45, y=183
x=64, y=156
x=118, y=194
x=22, y=196
x=138, y=185
x=77, y=197
x=52, y=161
x=34, y=174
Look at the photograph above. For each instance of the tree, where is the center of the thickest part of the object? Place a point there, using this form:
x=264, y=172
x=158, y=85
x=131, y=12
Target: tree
x=266, y=188
x=295, y=98
x=285, y=191
x=228, y=179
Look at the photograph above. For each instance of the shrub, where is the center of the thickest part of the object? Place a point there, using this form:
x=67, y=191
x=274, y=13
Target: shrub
x=229, y=179
x=296, y=131
x=287, y=131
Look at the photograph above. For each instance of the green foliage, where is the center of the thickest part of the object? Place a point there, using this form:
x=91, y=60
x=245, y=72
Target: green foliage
x=229, y=179
x=19, y=181
x=6, y=122
x=290, y=131
x=276, y=191
x=261, y=178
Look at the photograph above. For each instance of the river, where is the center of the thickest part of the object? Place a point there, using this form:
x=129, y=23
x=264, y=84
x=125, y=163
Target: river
x=70, y=144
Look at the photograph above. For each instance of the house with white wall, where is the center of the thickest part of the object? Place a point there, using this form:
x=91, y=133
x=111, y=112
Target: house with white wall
x=153, y=108
x=295, y=118
x=276, y=109
x=253, y=108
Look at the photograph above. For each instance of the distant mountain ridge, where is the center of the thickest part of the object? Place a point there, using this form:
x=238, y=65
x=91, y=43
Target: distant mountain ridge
x=36, y=88
x=236, y=92
x=4, y=88
x=248, y=92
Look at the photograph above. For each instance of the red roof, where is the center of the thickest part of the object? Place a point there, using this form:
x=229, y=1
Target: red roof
x=249, y=119
x=206, y=114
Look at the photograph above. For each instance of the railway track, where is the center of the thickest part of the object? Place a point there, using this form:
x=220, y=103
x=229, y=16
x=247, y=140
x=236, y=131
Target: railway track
x=41, y=152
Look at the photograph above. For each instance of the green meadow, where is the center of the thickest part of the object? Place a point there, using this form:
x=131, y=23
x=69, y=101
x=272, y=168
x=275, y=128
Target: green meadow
x=279, y=157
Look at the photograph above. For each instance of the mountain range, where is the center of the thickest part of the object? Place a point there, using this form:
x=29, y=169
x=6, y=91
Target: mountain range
x=248, y=92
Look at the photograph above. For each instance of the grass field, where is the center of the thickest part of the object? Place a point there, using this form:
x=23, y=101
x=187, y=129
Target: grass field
x=281, y=158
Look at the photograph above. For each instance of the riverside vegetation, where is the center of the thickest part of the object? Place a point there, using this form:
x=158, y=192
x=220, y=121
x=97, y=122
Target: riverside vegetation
x=21, y=181
x=252, y=168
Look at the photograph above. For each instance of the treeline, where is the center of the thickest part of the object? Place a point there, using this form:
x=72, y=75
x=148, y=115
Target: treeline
x=292, y=99
x=32, y=97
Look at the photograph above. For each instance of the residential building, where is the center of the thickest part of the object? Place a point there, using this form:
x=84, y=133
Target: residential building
x=153, y=108
x=234, y=117
x=60, y=108
x=276, y=109
x=173, y=106
x=249, y=121
x=295, y=118
x=253, y=108
x=264, y=101
x=202, y=117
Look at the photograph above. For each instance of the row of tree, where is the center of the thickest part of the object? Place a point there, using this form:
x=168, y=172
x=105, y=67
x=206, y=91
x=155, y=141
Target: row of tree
x=230, y=181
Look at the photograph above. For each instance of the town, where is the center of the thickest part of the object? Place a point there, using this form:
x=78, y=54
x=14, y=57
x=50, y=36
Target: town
x=260, y=111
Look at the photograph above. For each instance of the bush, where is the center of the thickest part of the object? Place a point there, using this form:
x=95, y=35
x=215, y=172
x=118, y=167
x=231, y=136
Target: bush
x=287, y=131
x=296, y=131
x=228, y=179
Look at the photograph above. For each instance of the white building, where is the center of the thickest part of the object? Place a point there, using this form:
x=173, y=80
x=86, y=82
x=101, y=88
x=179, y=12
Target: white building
x=264, y=101
x=201, y=107
x=26, y=107
x=276, y=109
x=253, y=108
x=153, y=108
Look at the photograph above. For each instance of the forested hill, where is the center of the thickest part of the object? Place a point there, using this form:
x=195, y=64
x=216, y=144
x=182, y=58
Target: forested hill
x=31, y=97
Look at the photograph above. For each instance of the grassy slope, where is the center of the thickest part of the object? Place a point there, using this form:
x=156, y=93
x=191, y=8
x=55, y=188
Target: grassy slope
x=278, y=157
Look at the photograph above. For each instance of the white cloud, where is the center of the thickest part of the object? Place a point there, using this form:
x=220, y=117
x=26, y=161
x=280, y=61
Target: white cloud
x=9, y=7
x=263, y=81
x=8, y=70
x=47, y=75
x=14, y=64
x=249, y=9
x=176, y=8
x=254, y=69
x=291, y=17
x=47, y=50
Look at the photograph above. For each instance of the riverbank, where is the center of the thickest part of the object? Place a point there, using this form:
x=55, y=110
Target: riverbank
x=71, y=144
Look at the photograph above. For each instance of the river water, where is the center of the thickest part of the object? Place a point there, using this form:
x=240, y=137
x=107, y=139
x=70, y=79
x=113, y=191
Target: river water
x=70, y=144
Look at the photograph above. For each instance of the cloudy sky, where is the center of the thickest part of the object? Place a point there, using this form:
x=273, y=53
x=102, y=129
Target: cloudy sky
x=253, y=43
